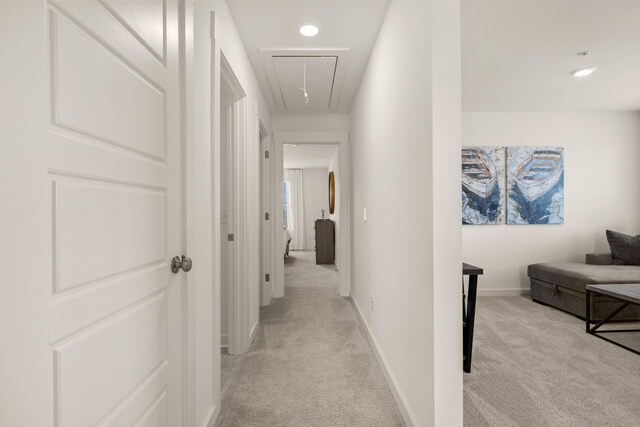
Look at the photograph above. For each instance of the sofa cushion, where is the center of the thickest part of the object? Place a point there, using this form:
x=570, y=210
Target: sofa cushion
x=624, y=248
x=576, y=276
x=599, y=259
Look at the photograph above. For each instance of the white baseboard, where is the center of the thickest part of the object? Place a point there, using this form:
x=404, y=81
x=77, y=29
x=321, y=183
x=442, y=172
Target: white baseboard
x=254, y=329
x=212, y=416
x=503, y=292
x=397, y=396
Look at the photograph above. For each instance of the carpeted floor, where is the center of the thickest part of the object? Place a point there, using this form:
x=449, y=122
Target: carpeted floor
x=535, y=366
x=228, y=365
x=310, y=364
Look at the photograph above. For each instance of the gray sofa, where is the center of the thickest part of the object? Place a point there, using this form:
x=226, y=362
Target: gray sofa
x=562, y=285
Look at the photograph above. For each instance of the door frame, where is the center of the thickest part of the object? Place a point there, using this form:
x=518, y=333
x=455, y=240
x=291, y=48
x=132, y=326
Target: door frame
x=267, y=230
x=341, y=139
x=238, y=295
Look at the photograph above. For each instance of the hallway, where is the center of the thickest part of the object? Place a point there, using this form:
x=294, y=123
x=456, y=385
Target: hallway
x=310, y=364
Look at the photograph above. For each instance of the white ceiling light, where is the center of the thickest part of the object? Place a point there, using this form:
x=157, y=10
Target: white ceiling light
x=309, y=30
x=583, y=72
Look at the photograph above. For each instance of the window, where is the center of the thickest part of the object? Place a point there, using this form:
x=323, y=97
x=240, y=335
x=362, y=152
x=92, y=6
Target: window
x=285, y=198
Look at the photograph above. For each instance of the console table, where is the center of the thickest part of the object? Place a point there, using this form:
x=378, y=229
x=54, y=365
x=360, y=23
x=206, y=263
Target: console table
x=469, y=312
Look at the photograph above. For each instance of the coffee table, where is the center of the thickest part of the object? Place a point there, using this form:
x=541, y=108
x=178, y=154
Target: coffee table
x=626, y=293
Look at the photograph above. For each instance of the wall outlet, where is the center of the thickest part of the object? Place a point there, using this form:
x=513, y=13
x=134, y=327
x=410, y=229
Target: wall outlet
x=371, y=302
x=365, y=214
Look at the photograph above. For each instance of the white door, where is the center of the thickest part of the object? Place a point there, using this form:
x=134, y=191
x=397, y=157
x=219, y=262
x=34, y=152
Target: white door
x=92, y=195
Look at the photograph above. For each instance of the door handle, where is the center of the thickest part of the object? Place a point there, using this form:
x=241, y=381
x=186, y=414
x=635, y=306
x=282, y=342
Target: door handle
x=183, y=263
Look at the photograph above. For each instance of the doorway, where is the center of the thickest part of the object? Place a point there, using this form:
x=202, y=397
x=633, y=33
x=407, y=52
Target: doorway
x=340, y=216
x=310, y=216
x=232, y=113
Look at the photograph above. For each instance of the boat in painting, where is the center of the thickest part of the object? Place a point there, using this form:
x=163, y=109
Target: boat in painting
x=539, y=173
x=478, y=172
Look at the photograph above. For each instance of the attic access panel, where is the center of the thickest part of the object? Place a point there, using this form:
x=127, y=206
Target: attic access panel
x=320, y=80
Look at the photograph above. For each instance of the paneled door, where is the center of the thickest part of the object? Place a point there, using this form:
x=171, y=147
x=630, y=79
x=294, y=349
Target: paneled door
x=101, y=167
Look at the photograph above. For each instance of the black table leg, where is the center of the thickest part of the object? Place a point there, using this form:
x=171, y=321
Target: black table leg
x=464, y=304
x=594, y=330
x=467, y=342
x=587, y=311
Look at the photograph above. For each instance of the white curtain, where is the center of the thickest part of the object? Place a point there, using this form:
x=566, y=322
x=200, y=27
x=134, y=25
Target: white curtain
x=295, y=207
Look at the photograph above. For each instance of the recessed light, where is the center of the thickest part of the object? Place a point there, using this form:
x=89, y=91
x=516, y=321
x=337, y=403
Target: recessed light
x=583, y=72
x=309, y=30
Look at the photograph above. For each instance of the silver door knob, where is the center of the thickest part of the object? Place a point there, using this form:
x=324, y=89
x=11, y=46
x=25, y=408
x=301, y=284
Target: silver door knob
x=183, y=263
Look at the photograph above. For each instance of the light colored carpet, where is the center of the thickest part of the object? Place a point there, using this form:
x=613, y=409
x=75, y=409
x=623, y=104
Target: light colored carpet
x=535, y=366
x=227, y=368
x=301, y=271
x=310, y=364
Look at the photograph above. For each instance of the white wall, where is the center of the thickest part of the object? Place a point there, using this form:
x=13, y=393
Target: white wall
x=602, y=190
x=335, y=216
x=316, y=198
x=310, y=122
x=204, y=121
x=405, y=138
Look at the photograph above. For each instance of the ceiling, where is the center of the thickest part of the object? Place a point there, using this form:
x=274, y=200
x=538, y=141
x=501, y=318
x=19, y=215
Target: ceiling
x=306, y=156
x=270, y=29
x=518, y=55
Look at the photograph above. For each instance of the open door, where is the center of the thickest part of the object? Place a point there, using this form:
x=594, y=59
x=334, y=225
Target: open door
x=94, y=214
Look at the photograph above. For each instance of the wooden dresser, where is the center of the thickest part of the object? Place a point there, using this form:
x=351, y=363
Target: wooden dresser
x=325, y=241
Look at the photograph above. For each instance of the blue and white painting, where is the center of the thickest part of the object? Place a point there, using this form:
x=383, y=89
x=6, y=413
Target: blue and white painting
x=535, y=185
x=483, y=185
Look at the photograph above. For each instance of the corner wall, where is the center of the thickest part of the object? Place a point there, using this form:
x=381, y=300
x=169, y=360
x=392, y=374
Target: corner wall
x=405, y=145
x=602, y=190
x=334, y=166
x=204, y=125
x=316, y=198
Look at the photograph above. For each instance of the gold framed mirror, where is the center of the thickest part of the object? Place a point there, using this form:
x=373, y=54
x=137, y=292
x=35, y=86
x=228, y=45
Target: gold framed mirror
x=332, y=193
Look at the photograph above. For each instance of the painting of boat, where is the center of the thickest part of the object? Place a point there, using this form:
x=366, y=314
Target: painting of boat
x=539, y=173
x=465, y=201
x=535, y=185
x=478, y=172
x=483, y=185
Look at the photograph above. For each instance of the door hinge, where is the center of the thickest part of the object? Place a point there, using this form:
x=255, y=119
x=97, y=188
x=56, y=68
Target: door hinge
x=266, y=154
x=230, y=237
x=267, y=216
x=267, y=277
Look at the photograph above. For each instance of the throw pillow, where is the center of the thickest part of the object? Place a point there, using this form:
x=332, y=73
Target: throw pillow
x=625, y=249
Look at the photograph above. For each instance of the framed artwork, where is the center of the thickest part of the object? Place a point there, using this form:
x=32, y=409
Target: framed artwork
x=535, y=185
x=332, y=193
x=483, y=185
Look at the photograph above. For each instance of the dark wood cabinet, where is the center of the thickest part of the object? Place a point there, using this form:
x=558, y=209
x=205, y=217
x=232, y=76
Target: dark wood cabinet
x=325, y=241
